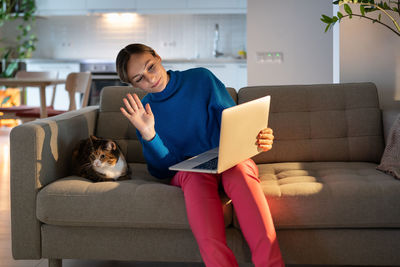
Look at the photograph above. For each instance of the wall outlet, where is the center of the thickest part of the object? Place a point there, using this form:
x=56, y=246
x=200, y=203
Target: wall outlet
x=269, y=57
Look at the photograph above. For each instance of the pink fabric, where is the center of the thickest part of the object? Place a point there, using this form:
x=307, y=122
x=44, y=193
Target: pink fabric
x=204, y=210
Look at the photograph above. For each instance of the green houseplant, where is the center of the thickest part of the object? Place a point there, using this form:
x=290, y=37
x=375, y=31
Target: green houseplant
x=11, y=51
x=390, y=9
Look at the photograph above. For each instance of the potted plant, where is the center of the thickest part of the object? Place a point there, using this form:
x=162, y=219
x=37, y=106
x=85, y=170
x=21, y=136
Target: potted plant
x=390, y=9
x=12, y=51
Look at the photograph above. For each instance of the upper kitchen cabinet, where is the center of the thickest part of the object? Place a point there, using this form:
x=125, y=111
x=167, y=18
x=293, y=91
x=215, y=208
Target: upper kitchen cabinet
x=60, y=7
x=191, y=6
x=218, y=6
x=110, y=6
x=83, y=7
x=161, y=6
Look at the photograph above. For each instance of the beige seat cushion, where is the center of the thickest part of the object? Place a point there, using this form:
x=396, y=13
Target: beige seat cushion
x=330, y=195
x=143, y=202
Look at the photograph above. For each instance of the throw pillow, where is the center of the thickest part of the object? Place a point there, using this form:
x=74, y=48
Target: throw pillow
x=390, y=162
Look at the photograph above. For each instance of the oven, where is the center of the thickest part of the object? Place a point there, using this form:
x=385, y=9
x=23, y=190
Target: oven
x=103, y=74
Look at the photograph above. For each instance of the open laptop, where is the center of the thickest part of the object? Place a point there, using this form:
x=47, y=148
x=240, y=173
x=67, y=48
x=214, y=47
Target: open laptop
x=240, y=126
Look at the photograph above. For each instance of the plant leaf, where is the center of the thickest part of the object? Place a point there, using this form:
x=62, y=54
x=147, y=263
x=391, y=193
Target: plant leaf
x=362, y=10
x=340, y=15
x=327, y=27
x=327, y=19
x=386, y=6
x=347, y=8
x=11, y=68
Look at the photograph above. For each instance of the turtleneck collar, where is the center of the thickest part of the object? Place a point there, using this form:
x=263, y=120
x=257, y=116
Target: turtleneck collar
x=169, y=90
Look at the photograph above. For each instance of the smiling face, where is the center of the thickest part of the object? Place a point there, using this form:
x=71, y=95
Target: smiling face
x=146, y=72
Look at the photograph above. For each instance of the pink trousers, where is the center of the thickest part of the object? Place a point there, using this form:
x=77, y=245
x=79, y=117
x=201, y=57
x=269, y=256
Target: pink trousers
x=204, y=211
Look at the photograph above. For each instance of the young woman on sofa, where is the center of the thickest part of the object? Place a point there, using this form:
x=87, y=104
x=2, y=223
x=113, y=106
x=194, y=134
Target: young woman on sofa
x=180, y=117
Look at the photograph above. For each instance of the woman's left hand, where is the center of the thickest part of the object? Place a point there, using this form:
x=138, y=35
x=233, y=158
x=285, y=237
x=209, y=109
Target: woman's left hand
x=265, y=139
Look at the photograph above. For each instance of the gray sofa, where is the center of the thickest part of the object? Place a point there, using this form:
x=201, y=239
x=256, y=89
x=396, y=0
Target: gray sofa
x=329, y=203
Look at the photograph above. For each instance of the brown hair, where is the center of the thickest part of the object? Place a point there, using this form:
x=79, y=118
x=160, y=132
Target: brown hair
x=124, y=56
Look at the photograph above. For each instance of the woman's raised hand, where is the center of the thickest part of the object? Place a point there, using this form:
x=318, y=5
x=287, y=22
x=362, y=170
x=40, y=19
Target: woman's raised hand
x=142, y=118
x=265, y=139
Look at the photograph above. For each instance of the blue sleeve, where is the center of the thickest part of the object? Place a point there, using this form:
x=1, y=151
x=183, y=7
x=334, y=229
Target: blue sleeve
x=155, y=151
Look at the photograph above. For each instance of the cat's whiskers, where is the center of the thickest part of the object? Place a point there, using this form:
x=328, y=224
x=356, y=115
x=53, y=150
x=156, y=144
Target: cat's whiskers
x=86, y=165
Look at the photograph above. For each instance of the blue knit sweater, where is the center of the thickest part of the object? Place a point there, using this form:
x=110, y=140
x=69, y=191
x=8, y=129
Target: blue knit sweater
x=187, y=119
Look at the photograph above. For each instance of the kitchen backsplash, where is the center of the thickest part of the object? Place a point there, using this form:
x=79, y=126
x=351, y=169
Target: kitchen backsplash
x=102, y=36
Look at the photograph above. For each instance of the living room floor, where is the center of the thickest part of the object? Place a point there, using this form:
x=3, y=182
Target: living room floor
x=6, y=259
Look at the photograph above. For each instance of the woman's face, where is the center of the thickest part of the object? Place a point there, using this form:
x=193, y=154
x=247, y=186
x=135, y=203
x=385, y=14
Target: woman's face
x=146, y=72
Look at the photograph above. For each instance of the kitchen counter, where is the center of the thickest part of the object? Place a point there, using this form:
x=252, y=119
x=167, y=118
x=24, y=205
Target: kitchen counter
x=167, y=60
x=206, y=60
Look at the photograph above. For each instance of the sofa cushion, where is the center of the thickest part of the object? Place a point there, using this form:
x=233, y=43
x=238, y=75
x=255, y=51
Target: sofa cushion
x=327, y=122
x=143, y=202
x=330, y=195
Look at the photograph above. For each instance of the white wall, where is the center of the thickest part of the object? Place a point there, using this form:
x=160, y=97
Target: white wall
x=294, y=28
x=371, y=53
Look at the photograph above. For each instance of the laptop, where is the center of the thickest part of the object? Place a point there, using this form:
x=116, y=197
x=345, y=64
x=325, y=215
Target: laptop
x=240, y=126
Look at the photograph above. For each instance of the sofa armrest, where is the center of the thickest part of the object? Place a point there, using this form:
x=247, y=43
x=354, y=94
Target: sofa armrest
x=388, y=118
x=40, y=153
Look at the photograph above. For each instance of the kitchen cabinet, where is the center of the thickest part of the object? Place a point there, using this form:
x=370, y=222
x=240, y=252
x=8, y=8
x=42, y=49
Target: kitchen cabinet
x=84, y=7
x=62, y=99
x=229, y=4
x=160, y=4
x=114, y=5
x=191, y=6
x=232, y=74
x=60, y=7
x=240, y=79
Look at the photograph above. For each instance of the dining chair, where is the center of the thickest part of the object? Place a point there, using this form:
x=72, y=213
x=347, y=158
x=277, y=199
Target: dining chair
x=10, y=112
x=76, y=82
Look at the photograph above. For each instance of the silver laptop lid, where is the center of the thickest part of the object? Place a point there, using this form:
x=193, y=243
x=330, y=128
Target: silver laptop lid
x=240, y=126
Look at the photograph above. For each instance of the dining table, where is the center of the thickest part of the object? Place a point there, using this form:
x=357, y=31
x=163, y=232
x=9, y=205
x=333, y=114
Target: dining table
x=33, y=82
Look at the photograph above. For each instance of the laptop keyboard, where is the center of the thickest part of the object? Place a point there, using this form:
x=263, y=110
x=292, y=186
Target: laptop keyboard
x=212, y=164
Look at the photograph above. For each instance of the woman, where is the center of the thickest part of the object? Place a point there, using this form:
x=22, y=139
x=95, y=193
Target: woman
x=179, y=118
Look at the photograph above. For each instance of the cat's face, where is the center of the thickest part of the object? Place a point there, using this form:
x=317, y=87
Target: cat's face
x=104, y=153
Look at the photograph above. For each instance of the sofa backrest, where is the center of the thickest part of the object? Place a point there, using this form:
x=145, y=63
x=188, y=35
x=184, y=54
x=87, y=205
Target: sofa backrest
x=111, y=124
x=326, y=122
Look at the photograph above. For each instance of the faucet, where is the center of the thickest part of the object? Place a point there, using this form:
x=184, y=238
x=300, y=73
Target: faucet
x=216, y=53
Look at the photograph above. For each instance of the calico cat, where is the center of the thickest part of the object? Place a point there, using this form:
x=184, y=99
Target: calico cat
x=99, y=160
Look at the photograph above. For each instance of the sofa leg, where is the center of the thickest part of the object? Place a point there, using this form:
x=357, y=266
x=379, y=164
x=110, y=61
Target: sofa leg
x=55, y=262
